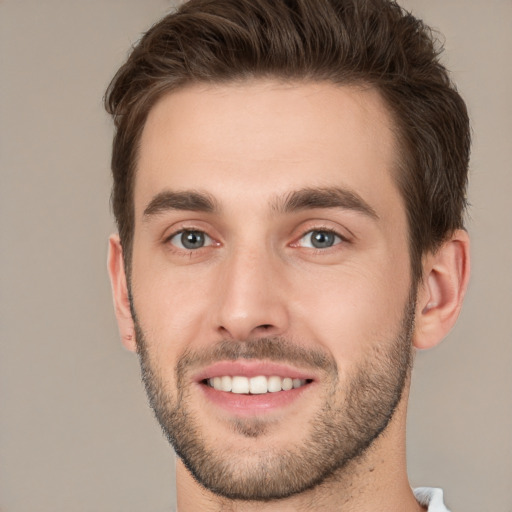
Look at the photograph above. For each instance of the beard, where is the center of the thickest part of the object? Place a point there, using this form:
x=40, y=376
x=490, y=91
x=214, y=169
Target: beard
x=348, y=421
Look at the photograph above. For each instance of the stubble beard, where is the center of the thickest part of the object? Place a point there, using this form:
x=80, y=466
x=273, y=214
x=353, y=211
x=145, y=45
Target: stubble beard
x=347, y=424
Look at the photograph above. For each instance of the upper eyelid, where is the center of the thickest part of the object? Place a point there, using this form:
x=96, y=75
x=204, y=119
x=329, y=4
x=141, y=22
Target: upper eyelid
x=333, y=223
x=326, y=229
x=171, y=232
x=344, y=234
x=186, y=230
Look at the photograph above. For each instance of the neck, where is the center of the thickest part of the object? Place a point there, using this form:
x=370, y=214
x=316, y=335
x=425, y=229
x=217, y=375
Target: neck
x=375, y=482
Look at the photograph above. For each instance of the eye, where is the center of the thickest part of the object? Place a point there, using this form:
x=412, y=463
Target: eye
x=319, y=239
x=190, y=240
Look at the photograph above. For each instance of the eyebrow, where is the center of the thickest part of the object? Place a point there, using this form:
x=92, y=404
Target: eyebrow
x=323, y=197
x=298, y=200
x=186, y=200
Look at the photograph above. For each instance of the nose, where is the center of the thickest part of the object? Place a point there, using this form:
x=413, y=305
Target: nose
x=252, y=299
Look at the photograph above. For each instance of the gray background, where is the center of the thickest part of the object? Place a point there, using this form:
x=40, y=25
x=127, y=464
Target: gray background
x=75, y=431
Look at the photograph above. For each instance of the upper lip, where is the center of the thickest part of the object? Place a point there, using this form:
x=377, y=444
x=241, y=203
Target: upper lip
x=252, y=368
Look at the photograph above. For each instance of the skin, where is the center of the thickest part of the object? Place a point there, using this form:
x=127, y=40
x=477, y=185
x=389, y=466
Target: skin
x=249, y=146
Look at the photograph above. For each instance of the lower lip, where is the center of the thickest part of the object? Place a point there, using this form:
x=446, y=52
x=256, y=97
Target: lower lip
x=250, y=405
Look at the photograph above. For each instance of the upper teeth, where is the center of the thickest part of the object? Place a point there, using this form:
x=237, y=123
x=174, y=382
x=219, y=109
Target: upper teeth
x=254, y=385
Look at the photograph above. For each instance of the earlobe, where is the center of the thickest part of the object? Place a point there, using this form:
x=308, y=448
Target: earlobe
x=440, y=295
x=120, y=294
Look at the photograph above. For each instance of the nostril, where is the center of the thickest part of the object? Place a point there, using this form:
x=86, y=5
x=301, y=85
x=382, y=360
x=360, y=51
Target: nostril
x=265, y=326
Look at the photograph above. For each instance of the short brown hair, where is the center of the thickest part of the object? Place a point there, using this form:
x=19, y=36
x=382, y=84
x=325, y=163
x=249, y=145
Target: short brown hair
x=367, y=42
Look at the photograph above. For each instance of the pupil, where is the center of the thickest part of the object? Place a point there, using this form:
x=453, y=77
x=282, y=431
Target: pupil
x=192, y=239
x=322, y=239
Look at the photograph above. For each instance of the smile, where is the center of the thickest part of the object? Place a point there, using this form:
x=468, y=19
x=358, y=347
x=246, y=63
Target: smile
x=248, y=388
x=257, y=385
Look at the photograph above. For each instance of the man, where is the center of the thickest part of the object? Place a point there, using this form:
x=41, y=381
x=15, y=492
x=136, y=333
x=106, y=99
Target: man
x=289, y=186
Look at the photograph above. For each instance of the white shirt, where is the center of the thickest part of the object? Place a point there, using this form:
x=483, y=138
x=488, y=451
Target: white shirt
x=431, y=498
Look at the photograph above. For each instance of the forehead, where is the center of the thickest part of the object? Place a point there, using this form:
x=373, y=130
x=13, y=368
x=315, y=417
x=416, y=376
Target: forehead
x=254, y=138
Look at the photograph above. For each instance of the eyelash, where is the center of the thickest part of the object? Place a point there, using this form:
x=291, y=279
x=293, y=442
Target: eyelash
x=319, y=229
x=167, y=240
x=296, y=243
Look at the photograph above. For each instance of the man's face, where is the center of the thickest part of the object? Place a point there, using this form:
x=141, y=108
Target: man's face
x=270, y=251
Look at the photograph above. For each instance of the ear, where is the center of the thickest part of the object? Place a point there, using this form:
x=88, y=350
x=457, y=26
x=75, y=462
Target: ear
x=440, y=295
x=120, y=293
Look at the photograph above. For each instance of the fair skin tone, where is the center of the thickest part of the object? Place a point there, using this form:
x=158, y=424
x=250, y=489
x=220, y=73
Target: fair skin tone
x=244, y=149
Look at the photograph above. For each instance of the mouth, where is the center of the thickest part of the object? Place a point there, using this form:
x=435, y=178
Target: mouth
x=259, y=385
x=250, y=387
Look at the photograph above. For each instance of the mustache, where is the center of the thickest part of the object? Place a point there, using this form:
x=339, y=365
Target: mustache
x=275, y=349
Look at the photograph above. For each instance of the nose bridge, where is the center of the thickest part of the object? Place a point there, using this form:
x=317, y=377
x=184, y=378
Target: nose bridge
x=252, y=296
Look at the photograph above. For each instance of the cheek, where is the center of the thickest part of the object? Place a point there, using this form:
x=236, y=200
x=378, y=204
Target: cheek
x=171, y=308
x=350, y=311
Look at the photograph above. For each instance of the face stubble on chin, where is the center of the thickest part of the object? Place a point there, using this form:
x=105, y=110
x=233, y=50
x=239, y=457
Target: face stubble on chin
x=348, y=422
